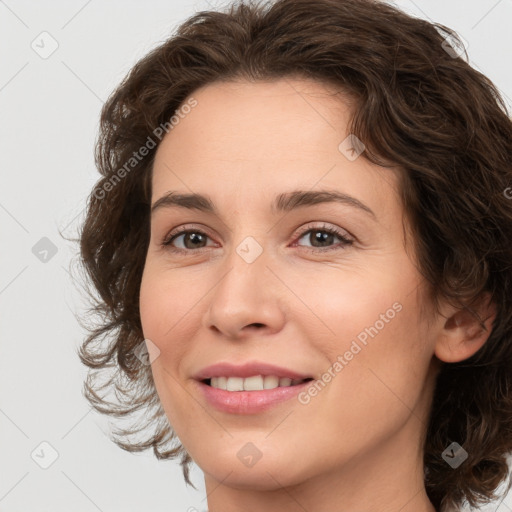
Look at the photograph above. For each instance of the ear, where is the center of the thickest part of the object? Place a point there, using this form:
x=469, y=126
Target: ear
x=462, y=336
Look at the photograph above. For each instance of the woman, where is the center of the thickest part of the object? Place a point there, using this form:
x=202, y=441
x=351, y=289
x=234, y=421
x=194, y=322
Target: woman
x=301, y=242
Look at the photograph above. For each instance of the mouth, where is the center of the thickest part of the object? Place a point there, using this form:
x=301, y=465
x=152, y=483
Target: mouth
x=250, y=395
x=253, y=383
x=250, y=388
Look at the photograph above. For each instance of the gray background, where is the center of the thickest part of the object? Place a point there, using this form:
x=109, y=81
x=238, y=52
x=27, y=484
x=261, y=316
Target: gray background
x=49, y=110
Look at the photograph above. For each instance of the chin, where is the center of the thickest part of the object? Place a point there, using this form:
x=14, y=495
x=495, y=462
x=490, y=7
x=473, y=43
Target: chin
x=267, y=473
x=264, y=478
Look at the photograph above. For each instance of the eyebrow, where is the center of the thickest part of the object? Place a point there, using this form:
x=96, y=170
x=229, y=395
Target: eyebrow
x=283, y=202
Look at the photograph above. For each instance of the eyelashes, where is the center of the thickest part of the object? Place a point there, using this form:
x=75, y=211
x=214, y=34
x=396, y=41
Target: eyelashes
x=200, y=236
x=173, y=236
x=330, y=231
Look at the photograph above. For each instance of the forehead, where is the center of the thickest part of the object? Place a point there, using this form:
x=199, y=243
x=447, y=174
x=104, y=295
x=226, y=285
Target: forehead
x=240, y=117
x=262, y=136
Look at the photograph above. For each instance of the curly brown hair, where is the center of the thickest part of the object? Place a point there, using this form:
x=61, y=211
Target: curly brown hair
x=419, y=105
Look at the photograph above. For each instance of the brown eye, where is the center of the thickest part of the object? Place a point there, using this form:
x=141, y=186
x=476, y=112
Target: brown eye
x=320, y=239
x=188, y=240
x=324, y=237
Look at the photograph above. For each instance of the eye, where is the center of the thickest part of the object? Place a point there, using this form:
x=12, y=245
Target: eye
x=320, y=237
x=192, y=239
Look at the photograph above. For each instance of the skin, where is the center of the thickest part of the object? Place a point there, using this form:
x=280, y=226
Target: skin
x=357, y=445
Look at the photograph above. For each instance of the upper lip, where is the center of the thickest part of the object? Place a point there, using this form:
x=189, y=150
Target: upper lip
x=248, y=369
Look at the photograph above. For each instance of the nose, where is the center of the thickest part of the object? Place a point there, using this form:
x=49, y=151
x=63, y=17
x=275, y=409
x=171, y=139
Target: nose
x=247, y=298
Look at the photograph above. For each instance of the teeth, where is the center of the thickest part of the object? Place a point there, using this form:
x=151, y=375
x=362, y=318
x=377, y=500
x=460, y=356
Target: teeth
x=254, y=383
x=270, y=382
x=235, y=384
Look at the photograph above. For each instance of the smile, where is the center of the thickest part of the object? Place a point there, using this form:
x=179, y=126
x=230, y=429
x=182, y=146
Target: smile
x=254, y=401
x=254, y=383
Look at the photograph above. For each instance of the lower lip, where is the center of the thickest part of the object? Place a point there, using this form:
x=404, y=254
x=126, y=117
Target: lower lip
x=248, y=402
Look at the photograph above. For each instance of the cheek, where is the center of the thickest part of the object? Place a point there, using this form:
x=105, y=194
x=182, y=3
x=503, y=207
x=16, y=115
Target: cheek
x=371, y=338
x=374, y=378
x=170, y=312
x=161, y=309
x=346, y=305
x=166, y=299
x=153, y=301
x=387, y=375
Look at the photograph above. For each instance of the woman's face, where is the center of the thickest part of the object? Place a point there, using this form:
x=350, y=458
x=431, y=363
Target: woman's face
x=265, y=279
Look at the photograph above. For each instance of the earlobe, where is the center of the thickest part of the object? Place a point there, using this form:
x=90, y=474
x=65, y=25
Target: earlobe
x=462, y=335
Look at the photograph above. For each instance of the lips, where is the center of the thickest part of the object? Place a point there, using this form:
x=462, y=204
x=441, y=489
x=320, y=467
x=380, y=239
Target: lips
x=248, y=402
x=242, y=393
x=249, y=369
